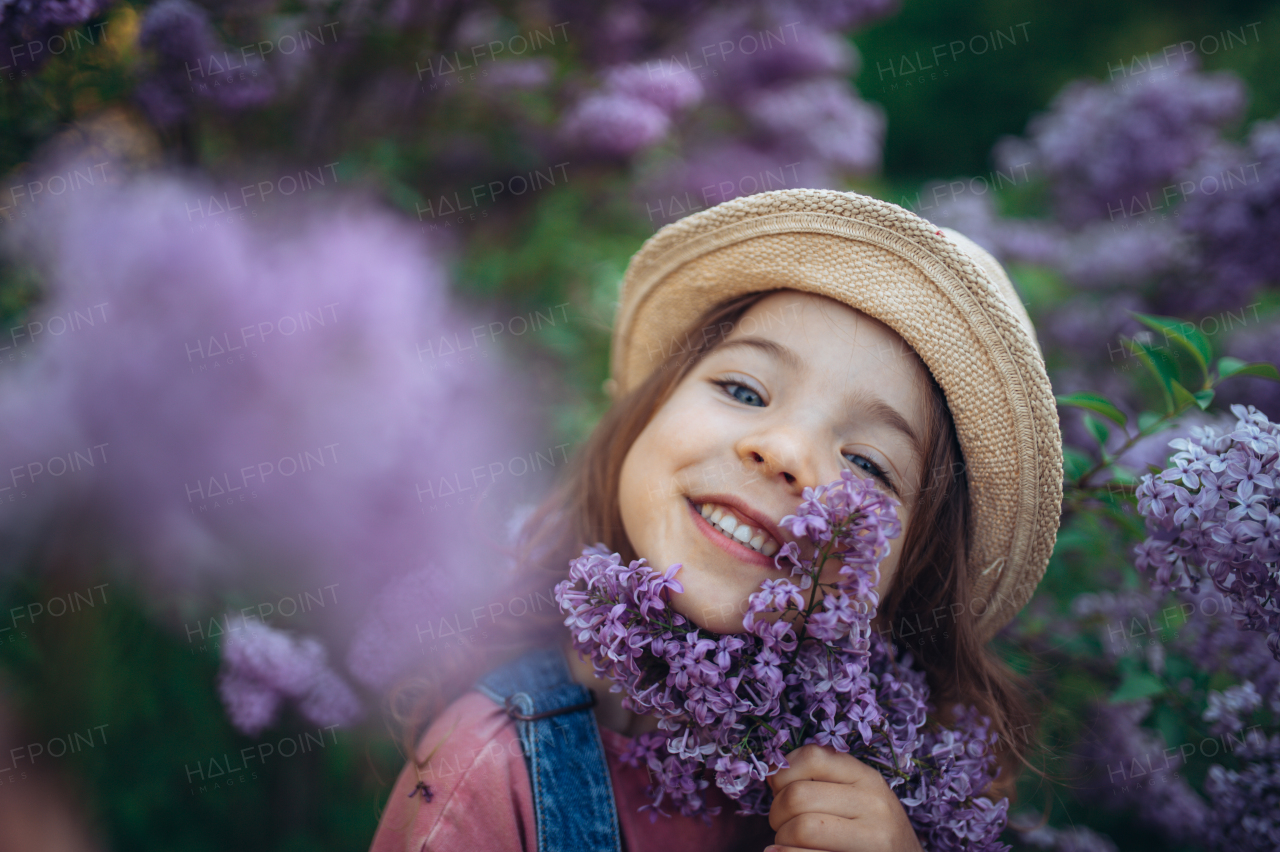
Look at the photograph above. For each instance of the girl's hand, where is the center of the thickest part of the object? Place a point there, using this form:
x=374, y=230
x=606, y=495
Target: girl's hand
x=834, y=802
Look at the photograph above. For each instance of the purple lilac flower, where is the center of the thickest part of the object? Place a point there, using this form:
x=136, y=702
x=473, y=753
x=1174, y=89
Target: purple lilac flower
x=1233, y=211
x=262, y=667
x=615, y=125
x=1211, y=641
x=845, y=14
x=669, y=92
x=190, y=63
x=1104, y=146
x=1245, y=802
x=1227, y=710
x=827, y=117
x=1215, y=514
x=264, y=423
x=736, y=704
x=27, y=25
x=1106, y=254
x=1154, y=450
x=1128, y=766
x=974, y=215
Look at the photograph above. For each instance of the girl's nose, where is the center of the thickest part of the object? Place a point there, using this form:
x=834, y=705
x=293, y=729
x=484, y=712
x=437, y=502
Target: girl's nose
x=780, y=454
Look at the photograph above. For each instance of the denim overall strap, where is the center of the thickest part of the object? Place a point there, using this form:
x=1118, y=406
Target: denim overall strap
x=572, y=792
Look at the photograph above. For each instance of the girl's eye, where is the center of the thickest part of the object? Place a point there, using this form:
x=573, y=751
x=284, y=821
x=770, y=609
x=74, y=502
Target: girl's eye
x=742, y=393
x=872, y=468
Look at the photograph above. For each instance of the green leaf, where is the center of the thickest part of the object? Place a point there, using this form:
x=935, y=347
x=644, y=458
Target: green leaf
x=1096, y=403
x=1146, y=419
x=1229, y=366
x=1160, y=365
x=1184, y=334
x=1137, y=685
x=1203, y=398
x=1097, y=429
x=1123, y=475
x=1074, y=463
x=1181, y=396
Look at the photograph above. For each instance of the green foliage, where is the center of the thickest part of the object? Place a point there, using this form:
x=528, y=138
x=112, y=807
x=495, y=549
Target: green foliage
x=147, y=699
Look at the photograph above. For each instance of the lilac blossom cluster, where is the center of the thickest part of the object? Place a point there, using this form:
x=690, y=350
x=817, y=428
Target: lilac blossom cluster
x=27, y=25
x=263, y=667
x=738, y=703
x=1215, y=514
x=184, y=49
x=1235, y=226
x=1246, y=802
x=1103, y=145
x=633, y=110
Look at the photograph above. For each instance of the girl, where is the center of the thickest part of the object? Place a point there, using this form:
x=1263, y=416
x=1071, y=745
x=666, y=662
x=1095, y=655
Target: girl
x=761, y=347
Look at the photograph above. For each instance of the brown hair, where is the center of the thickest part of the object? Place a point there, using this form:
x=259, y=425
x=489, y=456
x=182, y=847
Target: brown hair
x=926, y=608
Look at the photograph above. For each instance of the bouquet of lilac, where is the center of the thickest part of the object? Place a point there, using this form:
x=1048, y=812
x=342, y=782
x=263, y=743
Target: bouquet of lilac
x=737, y=703
x=1215, y=514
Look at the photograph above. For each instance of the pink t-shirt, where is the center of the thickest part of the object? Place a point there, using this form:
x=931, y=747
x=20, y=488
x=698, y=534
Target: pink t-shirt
x=482, y=800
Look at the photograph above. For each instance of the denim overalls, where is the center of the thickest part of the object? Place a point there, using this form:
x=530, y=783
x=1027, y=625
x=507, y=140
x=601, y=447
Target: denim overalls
x=572, y=792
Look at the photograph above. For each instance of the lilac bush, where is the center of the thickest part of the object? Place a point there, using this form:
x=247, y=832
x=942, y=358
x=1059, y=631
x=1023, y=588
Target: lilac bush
x=1233, y=214
x=1105, y=146
x=277, y=414
x=738, y=703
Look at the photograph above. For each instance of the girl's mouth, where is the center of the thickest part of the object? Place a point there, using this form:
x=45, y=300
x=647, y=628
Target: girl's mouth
x=725, y=523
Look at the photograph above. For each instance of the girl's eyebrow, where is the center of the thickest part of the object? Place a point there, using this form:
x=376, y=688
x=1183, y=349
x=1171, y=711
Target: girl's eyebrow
x=880, y=410
x=771, y=347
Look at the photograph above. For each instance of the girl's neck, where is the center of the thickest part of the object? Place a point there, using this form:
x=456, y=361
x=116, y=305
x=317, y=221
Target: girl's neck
x=609, y=710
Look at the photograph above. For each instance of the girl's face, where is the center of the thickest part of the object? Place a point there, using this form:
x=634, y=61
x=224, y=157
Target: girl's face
x=803, y=387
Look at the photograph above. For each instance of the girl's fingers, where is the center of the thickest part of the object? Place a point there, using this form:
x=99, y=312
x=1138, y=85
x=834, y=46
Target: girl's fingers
x=822, y=763
x=820, y=797
x=824, y=832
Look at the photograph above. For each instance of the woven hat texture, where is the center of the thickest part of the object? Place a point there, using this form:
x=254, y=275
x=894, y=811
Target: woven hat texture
x=944, y=295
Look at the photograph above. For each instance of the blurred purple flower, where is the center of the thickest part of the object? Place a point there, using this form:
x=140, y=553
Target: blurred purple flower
x=286, y=394
x=1088, y=327
x=826, y=117
x=261, y=667
x=1233, y=211
x=1110, y=149
x=190, y=63
x=1114, y=758
x=26, y=26
x=1245, y=803
x=708, y=176
x=1103, y=254
x=520, y=74
x=669, y=92
x=615, y=125
x=974, y=215
x=845, y=14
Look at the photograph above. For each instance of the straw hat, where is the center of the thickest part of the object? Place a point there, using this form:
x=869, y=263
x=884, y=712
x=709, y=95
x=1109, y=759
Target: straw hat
x=944, y=295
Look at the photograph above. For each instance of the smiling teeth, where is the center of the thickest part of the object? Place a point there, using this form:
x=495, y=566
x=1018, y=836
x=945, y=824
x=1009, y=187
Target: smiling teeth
x=733, y=527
